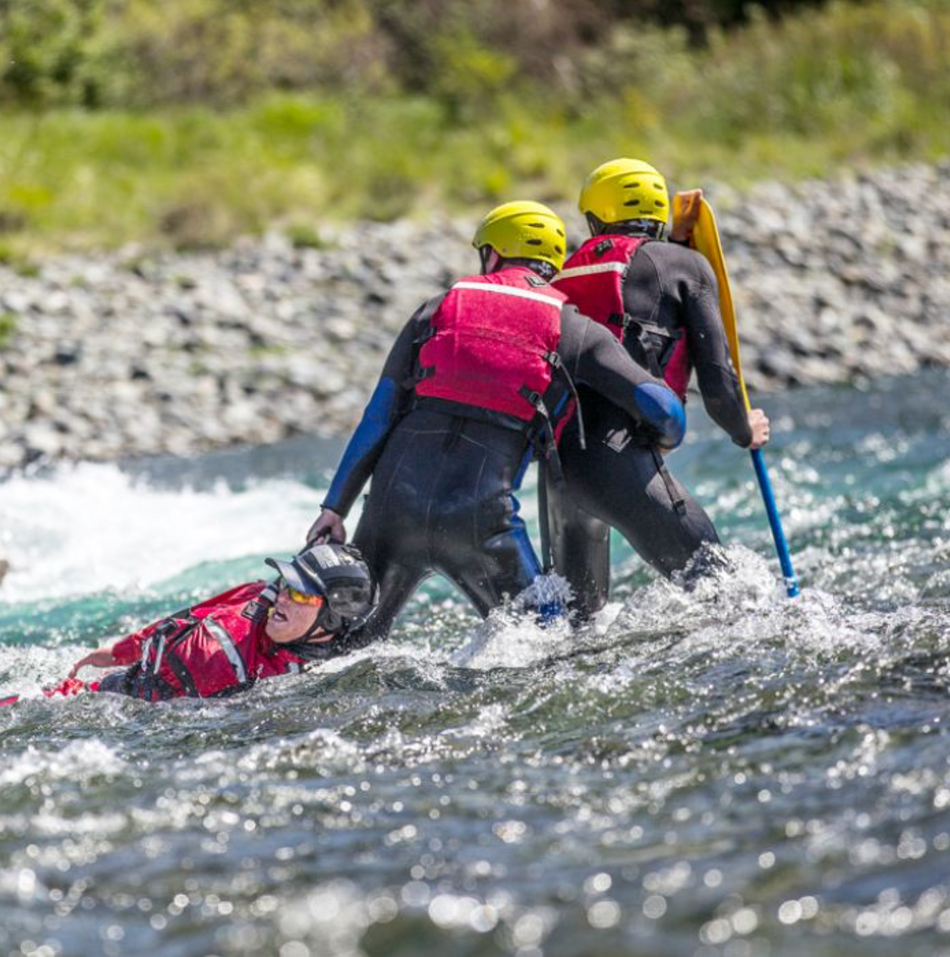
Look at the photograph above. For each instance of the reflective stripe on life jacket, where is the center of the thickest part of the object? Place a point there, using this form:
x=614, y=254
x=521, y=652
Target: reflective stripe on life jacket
x=492, y=345
x=593, y=280
x=229, y=647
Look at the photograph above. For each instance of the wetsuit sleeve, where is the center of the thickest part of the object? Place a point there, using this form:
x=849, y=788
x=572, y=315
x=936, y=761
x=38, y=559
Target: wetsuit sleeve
x=595, y=358
x=709, y=350
x=385, y=407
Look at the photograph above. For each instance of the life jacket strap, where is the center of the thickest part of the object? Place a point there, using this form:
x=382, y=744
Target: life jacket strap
x=146, y=681
x=183, y=675
x=542, y=433
x=419, y=374
x=427, y=333
x=679, y=503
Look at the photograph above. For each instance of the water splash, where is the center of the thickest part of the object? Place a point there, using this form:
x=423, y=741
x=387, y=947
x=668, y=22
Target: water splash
x=90, y=527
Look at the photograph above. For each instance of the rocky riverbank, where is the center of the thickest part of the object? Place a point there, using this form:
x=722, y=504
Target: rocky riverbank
x=128, y=354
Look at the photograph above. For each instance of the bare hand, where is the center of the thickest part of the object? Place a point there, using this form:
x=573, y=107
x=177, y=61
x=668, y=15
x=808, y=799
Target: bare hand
x=761, y=428
x=687, y=212
x=328, y=527
x=101, y=658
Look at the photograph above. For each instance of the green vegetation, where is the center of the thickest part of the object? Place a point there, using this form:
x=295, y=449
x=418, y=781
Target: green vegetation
x=189, y=121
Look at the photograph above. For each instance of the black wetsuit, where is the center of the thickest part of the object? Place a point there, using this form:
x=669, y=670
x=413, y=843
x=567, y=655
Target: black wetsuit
x=442, y=496
x=619, y=480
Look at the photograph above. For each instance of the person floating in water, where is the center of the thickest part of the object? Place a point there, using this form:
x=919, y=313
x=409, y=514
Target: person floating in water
x=479, y=380
x=255, y=631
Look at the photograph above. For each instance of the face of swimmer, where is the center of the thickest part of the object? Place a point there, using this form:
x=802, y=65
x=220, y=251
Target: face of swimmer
x=290, y=619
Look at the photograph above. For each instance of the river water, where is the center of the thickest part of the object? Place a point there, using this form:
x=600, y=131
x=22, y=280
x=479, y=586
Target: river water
x=724, y=772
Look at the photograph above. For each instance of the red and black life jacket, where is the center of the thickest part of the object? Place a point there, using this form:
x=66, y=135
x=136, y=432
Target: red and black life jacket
x=213, y=649
x=593, y=280
x=490, y=351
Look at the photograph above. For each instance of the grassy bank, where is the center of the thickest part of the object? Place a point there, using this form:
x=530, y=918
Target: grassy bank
x=842, y=86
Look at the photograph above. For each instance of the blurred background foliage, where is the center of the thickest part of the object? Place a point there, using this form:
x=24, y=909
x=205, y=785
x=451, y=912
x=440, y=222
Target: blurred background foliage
x=192, y=120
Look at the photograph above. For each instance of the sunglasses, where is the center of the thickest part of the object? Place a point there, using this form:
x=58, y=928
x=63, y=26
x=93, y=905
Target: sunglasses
x=302, y=598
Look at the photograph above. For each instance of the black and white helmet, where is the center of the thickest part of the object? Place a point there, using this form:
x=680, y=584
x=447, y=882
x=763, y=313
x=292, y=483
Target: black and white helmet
x=339, y=575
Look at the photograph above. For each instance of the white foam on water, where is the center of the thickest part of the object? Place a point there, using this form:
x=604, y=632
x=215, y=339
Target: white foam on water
x=513, y=637
x=27, y=668
x=743, y=608
x=78, y=761
x=91, y=527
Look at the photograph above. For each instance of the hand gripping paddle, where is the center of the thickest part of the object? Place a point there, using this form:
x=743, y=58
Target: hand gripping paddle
x=705, y=239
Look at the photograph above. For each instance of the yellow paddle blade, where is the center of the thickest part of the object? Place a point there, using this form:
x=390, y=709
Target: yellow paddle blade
x=705, y=239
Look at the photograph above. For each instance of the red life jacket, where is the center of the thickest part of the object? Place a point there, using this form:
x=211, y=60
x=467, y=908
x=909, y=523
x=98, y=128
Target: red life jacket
x=492, y=345
x=216, y=648
x=593, y=280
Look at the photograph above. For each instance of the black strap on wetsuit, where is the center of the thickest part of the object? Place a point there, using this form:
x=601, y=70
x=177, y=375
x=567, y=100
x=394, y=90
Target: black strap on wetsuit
x=544, y=519
x=679, y=503
x=546, y=444
x=618, y=439
x=642, y=331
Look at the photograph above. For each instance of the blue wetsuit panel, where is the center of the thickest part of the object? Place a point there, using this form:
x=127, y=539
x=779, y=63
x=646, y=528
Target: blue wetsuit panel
x=373, y=428
x=661, y=409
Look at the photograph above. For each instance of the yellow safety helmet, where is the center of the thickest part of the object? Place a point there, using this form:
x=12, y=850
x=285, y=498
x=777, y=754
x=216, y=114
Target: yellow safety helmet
x=523, y=230
x=625, y=189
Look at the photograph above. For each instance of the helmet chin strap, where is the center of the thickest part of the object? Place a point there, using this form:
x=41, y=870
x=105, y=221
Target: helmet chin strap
x=326, y=621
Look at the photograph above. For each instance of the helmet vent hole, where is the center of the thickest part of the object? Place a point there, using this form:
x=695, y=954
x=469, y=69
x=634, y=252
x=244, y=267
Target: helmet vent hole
x=537, y=225
x=534, y=242
x=659, y=202
x=632, y=202
x=631, y=185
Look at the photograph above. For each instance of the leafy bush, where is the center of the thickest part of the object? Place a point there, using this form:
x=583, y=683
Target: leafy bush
x=817, y=89
x=149, y=52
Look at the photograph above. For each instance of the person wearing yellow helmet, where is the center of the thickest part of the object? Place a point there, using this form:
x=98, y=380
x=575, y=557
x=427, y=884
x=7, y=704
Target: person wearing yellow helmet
x=659, y=299
x=479, y=381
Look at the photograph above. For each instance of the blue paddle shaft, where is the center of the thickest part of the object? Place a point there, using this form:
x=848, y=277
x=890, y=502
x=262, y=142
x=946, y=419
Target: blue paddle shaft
x=778, y=534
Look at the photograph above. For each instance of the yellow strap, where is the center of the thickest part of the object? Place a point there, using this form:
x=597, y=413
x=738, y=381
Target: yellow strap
x=705, y=239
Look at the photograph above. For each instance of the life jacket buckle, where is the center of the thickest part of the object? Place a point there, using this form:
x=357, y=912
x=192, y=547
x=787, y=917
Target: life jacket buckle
x=534, y=398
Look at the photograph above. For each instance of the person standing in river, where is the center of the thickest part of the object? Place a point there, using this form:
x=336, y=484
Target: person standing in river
x=480, y=379
x=660, y=300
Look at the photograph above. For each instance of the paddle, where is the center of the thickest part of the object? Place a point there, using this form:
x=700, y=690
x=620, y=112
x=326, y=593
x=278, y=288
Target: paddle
x=705, y=239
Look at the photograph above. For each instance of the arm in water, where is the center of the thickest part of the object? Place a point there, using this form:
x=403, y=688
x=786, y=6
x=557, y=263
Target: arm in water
x=124, y=652
x=100, y=658
x=594, y=357
x=383, y=411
